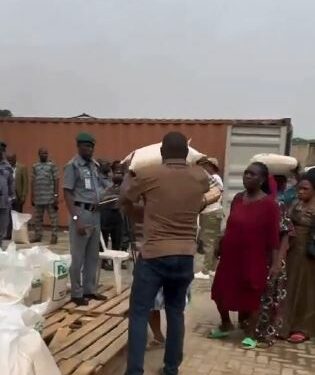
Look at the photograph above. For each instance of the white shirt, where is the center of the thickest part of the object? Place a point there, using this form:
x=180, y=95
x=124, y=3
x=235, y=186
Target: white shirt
x=217, y=205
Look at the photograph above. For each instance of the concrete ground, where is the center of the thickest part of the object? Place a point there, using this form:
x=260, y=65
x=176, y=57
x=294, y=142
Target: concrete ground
x=214, y=357
x=217, y=357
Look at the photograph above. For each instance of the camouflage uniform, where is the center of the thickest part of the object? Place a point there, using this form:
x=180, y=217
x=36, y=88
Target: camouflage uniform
x=210, y=230
x=209, y=234
x=44, y=176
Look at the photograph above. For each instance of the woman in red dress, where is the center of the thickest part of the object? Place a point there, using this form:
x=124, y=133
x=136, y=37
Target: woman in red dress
x=249, y=253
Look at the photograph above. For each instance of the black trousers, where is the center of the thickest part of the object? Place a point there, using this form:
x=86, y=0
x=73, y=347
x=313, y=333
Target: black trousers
x=112, y=226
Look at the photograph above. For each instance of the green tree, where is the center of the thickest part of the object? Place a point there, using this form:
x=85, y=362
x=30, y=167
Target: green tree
x=5, y=113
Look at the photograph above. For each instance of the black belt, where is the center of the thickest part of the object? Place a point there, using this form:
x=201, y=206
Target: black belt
x=86, y=206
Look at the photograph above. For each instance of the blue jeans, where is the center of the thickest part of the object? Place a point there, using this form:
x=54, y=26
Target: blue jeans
x=174, y=274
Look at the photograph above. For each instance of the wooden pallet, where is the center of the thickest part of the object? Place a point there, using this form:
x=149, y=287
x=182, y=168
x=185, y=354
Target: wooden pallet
x=103, y=307
x=83, y=340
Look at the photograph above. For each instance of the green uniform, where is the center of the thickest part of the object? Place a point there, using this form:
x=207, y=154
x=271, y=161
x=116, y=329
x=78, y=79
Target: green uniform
x=44, y=176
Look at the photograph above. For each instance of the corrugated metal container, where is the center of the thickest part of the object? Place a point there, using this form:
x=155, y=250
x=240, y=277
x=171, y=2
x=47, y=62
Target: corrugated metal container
x=243, y=142
x=118, y=137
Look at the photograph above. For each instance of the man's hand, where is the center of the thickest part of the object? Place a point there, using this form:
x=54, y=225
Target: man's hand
x=213, y=195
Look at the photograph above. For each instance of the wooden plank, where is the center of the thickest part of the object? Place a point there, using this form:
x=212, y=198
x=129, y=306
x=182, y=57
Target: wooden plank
x=86, y=319
x=94, y=304
x=69, y=319
x=56, y=317
x=88, y=339
x=104, y=341
x=111, y=303
x=59, y=337
x=77, y=335
x=116, y=365
x=69, y=365
x=119, y=310
x=102, y=289
x=113, y=349
x=90, y=366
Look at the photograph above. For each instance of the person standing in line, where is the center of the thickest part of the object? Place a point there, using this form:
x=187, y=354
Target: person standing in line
x=249, y=254
x=6, y=192
x=44, y=195
x=111, y=217
x=299, y=317
x=83, y=190
x=126, y=228
x=210, y=223
x=105, y=172
x=173, y=195
x=20, y=175
x=271, y=315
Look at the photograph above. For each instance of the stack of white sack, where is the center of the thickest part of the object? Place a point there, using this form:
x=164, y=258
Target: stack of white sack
x=51, y=273
x=277, y=164
x=151, y=155
x=23, y=352
x=49, y=276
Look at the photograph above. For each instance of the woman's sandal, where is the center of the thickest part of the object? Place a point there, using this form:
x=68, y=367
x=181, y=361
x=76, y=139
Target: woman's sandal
x=297, y=338
x=249, y=344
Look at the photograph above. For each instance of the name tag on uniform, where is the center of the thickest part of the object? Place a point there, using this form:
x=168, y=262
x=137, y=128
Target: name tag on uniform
x=87, y=183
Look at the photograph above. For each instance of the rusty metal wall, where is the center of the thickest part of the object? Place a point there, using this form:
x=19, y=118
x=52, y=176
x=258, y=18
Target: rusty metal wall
x=115, y=138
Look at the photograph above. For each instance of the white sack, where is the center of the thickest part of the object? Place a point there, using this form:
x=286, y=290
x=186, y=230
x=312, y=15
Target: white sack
x=55, y=276
x=151, y=155
x=23, y=352
x=54, y=270
x=15, y=278
x=277, y=164
x=19, y=227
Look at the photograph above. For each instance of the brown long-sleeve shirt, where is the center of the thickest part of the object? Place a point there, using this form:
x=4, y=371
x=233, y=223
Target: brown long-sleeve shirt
x=172, y=195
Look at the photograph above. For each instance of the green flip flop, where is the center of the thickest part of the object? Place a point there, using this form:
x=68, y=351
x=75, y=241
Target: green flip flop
x=249, y=344
x=218, y=334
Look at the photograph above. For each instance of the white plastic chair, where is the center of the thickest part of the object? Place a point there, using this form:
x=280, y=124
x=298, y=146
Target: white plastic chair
x=117, y=258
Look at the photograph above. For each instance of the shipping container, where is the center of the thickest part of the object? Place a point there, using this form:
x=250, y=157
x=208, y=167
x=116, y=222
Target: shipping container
x=232, y=142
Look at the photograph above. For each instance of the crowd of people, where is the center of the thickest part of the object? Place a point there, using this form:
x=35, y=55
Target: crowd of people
x=42, y=187
x=267, y=263
x=262, y=266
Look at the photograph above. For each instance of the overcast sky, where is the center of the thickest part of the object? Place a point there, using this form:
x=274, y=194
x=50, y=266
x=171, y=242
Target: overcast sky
x=160, y=58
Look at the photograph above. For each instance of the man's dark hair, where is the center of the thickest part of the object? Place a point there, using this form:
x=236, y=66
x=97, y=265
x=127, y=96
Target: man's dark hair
x=174, y=146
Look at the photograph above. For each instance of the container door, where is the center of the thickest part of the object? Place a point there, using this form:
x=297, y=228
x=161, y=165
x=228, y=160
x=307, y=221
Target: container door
x=243, y=142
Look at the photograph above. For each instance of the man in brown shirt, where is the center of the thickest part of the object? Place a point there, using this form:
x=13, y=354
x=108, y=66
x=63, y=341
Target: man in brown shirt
x=173, y=195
